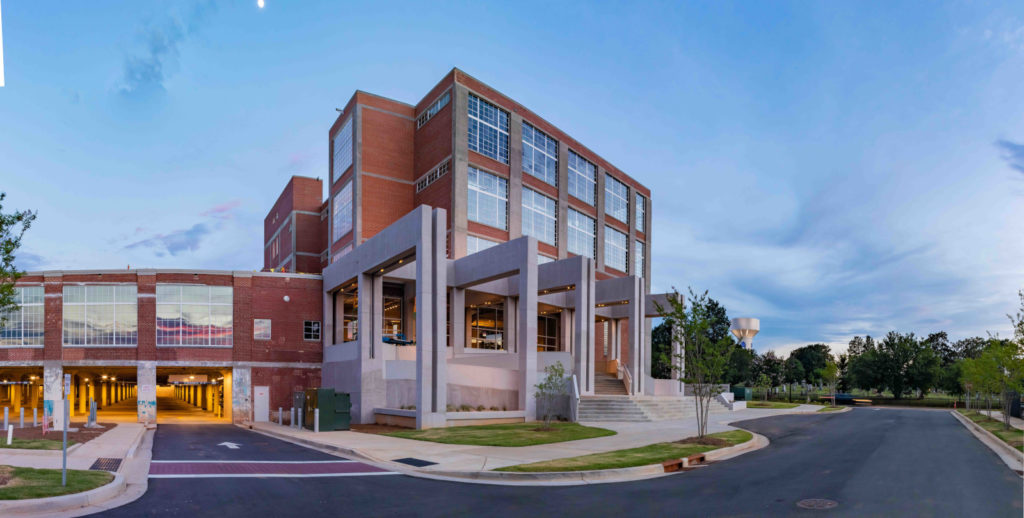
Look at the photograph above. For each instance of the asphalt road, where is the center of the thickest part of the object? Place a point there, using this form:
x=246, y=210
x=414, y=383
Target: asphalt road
x=873, y=462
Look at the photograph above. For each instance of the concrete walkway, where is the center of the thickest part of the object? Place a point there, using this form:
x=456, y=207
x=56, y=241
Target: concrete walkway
x=462, y=458
x=115, y=443
x=1015, y=422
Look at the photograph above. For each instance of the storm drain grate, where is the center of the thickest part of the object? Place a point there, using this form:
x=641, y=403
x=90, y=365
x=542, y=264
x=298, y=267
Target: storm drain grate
x=106, y=464
x=419, y=463
x=817, y=503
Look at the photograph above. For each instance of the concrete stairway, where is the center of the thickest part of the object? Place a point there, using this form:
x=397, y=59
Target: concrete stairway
x=606, y=384
x=640, y=408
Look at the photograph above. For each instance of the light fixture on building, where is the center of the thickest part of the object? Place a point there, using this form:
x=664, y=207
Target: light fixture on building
x=287, y=298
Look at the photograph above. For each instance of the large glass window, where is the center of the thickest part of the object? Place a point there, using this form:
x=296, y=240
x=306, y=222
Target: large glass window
x=475, y=244
x=615, y=203
x=488, y=199
x=342, y=144
x=582, y=178
x=615, y=249
x=582, y=233
x=393, y=311
x=194, y=315
x=488, y=129
x=638, y=258
x=547, y=332
x=641, y=211
x=350, y=314
x=23, y=326
x=540, y=155
x=342, y=220
x=487, y=327
x=539, y=216
x=101, y=315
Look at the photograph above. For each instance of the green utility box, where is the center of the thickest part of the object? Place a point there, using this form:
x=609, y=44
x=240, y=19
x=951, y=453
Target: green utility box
x=742, y=394
x=335, y=409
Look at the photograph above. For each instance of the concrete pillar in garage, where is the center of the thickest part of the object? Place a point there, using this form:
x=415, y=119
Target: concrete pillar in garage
x=16, y=397
x=146, y=392
x=83, y=395
x=104, y=393
x=53, y=392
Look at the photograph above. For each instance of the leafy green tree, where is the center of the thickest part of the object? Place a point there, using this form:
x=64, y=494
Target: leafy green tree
x=550, y=390
x=764, y=383
x=741, y=367
x=830, y=375
x=12, y=228
x=923, y=371
x=939, y=344
x=794, y=373
x=813, y=357
x=773, y=367
x=705, y=360
x=719, y=329
x=970, y=347
x=949, y=379
x=843, y=362
x=661, y=351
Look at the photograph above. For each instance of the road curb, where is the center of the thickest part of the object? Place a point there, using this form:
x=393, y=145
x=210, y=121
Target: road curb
x=56, y=504
x=1005, y=451
x=563, y=478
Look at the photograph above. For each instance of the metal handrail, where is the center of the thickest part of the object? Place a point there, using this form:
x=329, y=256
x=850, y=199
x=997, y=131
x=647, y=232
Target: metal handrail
x=575, y=388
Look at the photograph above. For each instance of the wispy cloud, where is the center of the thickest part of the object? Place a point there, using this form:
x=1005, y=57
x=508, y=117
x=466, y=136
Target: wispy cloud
x=147, y=70
x=176, y=242
x=222, y=211
x=1013, y=153
x=27, y=261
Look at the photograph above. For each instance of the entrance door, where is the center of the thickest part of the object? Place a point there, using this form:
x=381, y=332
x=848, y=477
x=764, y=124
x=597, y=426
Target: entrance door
x=261, y=403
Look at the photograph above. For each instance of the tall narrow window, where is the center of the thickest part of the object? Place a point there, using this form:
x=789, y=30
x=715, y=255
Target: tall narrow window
x=615, y=202
x=638, y=258
x=641, y=211
x=582, y=178
x=547, y=332
x=615, y=250
x=101, y=315
x=540, y=155
x=23, y=327
x=350, y=313
x=488, y=129
x=488, y=199
x=195, y=315
x=539, y=216
x=342, y=145
x=582, y=234
x=343, y=212
x=394, y=314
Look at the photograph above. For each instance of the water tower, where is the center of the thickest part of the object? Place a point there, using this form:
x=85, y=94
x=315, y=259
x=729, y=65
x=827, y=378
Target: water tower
x=744, y=329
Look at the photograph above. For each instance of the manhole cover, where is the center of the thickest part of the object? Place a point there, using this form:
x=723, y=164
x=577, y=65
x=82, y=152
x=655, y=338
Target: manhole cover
x=419, y=463
x=817, y=503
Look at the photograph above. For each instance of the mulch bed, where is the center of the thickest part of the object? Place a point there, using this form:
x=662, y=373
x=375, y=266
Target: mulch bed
x=82, y=435
x=6, y=474
x=377, y=429
x=706, y=441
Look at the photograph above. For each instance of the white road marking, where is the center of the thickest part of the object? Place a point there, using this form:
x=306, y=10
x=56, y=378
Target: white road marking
x=230, y=445
x=280, y=475
x=255, y=461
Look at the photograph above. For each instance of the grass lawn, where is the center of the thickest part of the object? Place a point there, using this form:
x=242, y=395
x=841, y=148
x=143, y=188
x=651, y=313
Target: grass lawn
x=830, y=408
x=770, y=404
x=642, y=456
x=1013, y=436
x=20, y=483
x=515, y=434
x=33, y=444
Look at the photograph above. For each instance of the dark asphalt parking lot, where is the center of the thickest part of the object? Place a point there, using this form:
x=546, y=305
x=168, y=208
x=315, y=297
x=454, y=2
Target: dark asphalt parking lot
x=873, y=462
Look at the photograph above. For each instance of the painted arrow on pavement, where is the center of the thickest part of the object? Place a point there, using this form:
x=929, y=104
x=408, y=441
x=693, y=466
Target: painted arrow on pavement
x=230, y=445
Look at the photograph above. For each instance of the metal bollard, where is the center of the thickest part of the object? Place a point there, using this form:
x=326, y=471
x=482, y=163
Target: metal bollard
x=280, y=416
x=5, y=418
x=299, y=423
x=291, y=418
x=21, y=420
x=35, y=413
x=316, y=420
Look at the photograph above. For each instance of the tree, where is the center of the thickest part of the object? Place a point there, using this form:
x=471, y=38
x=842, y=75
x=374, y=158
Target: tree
x=764, y=383
x=843, y=362
x=661, y=352
x=720, y=324
x=741, y=367
x=970, y=347
x=12, y=228
x=550, y=390
x=794, y=373
x=830, y=375
x=813, y=357
x=773, y=367
x=923, y=371
x=705, y=360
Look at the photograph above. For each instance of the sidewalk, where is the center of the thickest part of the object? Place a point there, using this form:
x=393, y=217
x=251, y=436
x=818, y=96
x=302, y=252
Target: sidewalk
x=1015, y=422
x=449, y=458
x=115, y=443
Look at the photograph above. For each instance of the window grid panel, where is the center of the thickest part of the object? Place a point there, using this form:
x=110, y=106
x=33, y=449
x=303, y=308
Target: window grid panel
x=615, y=249
x=582, y=234
x=342, y=149
x=342, y=219
x=477, y=244
x=100, y=315
x=615, y=202
x=638, y=258
x=311, y=330
x=488, y=129
x=432, y=110
x=641, y=211
x=487, y=200
x=539, y=216
x=582, y=178
x=24, y=326
x=432, y=176
x=194, y=315
x=540, y=155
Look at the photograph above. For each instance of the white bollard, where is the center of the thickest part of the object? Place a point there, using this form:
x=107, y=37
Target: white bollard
x=291, y=418
x=10, y=434
x=35, y=413
x=5, y=418
x=316, y=420
x=280, y=416
x=21, y=418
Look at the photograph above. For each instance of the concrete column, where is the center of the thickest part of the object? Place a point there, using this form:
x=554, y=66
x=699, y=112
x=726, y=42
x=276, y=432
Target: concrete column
x=16, y=397
x=104, y=393
x=431, y=290
x=678, y=362
x=511, y=344
x=458, y=321
x=515, y=181
x=93, y=392
x=526, y=334
x=562, y=223
x=146, y=392
x=241, y=394
x=371, y=368
x=34, y=395
x=638, y=363
x=83, y=395
x=583, y=327
x=209, y=398
x=53, y=395
x=460, y=169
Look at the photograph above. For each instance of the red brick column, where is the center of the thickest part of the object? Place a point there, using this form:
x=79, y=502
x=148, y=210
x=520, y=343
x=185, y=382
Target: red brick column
x=146, y=351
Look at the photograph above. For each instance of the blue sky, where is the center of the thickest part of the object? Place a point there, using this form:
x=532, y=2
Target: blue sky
x=832, y=168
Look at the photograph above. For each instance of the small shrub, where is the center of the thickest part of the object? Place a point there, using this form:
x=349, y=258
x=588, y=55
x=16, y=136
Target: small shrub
x=494, y=409
x=465, y=408
x=449, y=408
x=480, y=408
